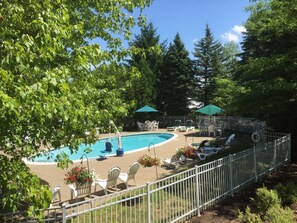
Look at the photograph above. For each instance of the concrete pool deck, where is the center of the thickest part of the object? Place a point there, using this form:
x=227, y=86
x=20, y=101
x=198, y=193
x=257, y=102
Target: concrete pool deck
x=54, y=176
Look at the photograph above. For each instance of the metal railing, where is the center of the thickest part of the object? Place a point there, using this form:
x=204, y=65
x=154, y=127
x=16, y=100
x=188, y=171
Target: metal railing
x=229, y=122
x=180, y=196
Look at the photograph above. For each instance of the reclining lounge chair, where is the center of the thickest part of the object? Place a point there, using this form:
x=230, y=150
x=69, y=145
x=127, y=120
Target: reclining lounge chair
x=175, y=127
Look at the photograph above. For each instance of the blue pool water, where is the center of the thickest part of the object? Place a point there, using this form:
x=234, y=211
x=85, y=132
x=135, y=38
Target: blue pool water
x=129, y=143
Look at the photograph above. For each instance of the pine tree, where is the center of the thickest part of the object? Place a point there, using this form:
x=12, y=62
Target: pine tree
x=148, y=63
x=208, y=64
x=231, y=57
x=177, y=78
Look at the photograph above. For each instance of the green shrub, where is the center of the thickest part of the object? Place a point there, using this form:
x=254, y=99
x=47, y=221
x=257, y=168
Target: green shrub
x=265, y=199
x=268, y=205
x=277, y=214
x=287, y=192
x=249, y=217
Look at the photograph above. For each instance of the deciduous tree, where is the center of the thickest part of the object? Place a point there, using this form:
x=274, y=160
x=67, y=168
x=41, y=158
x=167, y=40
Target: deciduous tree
x=53, y=84
x=269, y=66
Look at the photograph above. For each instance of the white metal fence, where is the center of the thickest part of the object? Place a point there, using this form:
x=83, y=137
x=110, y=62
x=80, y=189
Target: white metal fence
x=229, y=122
x=181, y=196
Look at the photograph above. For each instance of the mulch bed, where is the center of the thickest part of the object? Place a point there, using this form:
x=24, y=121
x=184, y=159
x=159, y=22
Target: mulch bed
x=227, y=211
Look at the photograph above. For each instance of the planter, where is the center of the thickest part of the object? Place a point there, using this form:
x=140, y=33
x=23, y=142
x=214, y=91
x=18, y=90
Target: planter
x=77, y=189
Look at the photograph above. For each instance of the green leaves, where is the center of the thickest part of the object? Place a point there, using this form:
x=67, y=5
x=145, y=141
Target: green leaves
x=268, y=70
x=55, y=84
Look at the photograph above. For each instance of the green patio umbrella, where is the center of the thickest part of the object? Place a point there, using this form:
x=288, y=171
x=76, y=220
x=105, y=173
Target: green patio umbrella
x=210, y=110
x=146, y=109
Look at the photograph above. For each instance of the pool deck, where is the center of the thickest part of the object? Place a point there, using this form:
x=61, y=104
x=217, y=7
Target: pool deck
x=54, y=176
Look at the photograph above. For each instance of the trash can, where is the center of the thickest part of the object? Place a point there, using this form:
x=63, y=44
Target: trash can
x=120, y=152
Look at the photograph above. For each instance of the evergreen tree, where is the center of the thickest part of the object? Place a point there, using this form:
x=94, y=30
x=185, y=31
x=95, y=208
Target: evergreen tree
x=231, y=57
x=177, y=79
x=147, y=61
x=225, y=86
x=268, y=71
x=208, y=63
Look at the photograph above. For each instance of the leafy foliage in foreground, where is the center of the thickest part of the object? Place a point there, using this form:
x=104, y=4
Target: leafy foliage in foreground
x=54, y=84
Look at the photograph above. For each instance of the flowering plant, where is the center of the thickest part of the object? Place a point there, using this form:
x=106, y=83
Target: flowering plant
x=187, y=151
x=79, y=175
x=149, y=161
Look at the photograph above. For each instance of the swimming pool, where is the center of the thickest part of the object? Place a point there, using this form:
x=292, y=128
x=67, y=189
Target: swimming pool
x=130, y=143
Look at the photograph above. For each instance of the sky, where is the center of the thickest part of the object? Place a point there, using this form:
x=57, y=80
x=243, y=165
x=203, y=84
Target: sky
x=189, y=17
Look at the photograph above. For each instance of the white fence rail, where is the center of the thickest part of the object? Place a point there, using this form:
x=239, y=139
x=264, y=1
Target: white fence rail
x=230, y=122
x=181, y=196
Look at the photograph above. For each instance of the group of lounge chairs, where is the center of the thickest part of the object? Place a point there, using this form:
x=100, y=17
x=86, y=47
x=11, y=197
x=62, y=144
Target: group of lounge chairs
x=210, y=130
x=182, y=128
x=202, y=151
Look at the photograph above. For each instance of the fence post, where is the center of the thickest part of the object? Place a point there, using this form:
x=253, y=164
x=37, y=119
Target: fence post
x=197, y=191
x=64, y=213
x=231, y=173
x=289, y=145
x=148, y=202
x=255, y=164
x=274, y=153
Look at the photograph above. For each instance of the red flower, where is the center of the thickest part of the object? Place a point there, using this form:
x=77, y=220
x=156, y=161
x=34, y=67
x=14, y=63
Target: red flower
x=78, y=175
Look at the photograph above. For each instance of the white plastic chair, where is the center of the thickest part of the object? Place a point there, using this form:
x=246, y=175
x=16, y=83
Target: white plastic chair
x=56, y=192
x=140, y=126
x=211, y=130
x=155, y=125
x=111, y=180
x=125, y=177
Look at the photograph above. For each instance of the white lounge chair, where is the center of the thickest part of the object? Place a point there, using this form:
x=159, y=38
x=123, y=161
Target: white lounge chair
x=205, y=151
x=168, y=164
x=189, y=125
x=111, y=180
x=175, y=127
x=125, y=177
x=229, y=140
x=204, y=155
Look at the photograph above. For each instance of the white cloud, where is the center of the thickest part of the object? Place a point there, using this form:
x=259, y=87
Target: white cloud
x=235, y=34
x=229, y=36
x=239, y=29
x=195, y=40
